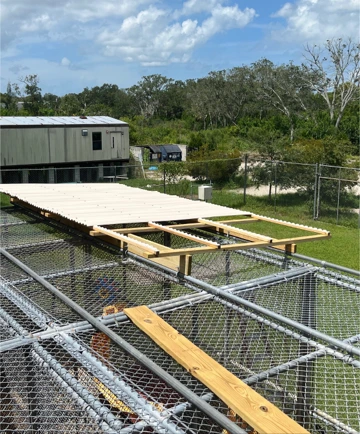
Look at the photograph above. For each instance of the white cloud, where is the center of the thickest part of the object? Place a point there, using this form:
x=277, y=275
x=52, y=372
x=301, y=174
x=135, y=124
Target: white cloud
x=152, y=38
x=49, y=17
x=318, y=20
x=197, y=6
x=65, y=61
x=132, y=30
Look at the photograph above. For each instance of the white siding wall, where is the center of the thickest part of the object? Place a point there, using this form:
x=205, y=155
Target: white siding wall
x=30, y=146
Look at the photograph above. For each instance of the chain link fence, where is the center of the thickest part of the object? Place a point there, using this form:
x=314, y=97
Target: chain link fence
x=327, y=191
x=246, y=309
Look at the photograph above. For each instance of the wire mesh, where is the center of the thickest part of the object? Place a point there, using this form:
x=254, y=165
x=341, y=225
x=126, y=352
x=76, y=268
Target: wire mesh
x=58, y=376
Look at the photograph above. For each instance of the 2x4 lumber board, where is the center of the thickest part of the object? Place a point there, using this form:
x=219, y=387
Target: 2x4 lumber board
x=249, y=236
x=239, y=246
x=147, y=247
x=179, y=226
x=254, y=409
x=291, y=225
x=179, y=263
x=184, y=235
x=235, y=232
x=288, y=248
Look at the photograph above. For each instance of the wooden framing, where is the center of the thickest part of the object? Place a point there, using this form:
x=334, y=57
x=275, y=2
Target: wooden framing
x=259, y=413
x=180, y=259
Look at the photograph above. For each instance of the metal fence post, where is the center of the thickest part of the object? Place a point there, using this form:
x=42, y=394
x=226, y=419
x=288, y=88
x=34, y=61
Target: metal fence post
x=164, y=179
x=338, y=198
x=275, y=185
x=315, y=190
x=318, y=192
x=245, y=177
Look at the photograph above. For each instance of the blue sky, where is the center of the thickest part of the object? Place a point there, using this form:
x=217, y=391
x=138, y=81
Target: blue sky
x=72, y=44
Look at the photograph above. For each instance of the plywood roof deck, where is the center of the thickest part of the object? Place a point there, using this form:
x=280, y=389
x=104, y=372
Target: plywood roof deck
x=92, y=207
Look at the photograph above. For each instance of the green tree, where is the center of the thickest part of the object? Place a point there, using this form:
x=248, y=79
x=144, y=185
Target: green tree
x=216, y=166
x=9, y=99
x=147, y=95
x=269, y=144
x=334, y=74
x=33, y=101
x=282, y=88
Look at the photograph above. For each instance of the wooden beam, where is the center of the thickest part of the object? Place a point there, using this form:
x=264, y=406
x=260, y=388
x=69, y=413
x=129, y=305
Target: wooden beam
x=184, y=235
x=180, y=226
x=239, y=246
x=258, y=412
x=125, y=239
x=291, y=225
x=235, y=232
x=181, y=264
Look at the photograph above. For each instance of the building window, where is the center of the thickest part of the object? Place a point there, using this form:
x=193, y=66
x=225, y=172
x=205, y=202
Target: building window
x=96, y=140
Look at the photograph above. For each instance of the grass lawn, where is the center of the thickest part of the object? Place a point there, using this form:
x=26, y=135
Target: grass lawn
x=343, y=248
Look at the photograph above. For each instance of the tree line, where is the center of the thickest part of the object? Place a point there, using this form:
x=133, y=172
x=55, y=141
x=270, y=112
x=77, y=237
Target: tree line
x=308, y=111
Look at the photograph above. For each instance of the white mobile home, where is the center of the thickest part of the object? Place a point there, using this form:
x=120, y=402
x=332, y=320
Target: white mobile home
x=51, y=141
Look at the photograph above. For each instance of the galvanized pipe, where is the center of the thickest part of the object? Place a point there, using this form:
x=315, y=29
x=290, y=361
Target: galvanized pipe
x=281, y=277
x=345, y=285
x=101, y=414
x=326, y=264
x=25, y=305
x=178, y=409
x=289, y=332
x=324, y=417
x=67, y=273
x=216, y=416
x=120, y=388
x=77, y=390
x=83, y=326
x=307, y=331
x=275, y=370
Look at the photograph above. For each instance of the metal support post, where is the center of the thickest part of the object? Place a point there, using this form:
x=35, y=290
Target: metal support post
x=77, y=173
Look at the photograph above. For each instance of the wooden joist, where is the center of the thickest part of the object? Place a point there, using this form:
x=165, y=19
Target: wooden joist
x=179, y=263
x=291, y=225
x=236, y=232
x=147, y=247
x=179, y=226
x=258, y=412
x=184, y=235
x=237, y=246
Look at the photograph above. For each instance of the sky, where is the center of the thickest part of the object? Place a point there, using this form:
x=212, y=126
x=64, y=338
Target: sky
x=73, y=44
